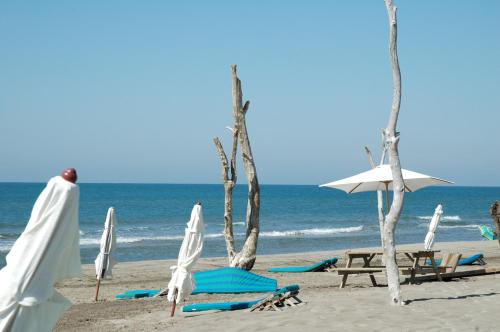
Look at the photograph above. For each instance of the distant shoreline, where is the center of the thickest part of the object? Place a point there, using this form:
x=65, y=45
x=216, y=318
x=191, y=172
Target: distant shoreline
x=444, y=244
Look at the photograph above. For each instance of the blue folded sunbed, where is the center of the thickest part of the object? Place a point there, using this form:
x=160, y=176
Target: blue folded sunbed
x=232, y=280
x=138, y=293
x=224, y=280
x=195, y=307
x=477, y=258
x=318, y=267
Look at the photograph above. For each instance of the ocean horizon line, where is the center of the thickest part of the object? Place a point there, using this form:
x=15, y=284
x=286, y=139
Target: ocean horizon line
x=240, y=184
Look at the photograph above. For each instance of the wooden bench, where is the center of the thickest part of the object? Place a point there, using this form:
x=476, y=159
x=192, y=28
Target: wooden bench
x=405, y=270
x=346, y=271
x=424, y=270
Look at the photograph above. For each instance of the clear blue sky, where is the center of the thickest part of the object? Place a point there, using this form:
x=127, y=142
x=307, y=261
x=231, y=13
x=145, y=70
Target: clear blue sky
x=134, y=91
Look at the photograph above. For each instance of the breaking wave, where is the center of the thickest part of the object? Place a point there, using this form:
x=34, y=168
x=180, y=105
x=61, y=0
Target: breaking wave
x=443, y=218
x=132, y=239
x=471, y=226
x=290, y=233
x=312, y=232
x=5, y=247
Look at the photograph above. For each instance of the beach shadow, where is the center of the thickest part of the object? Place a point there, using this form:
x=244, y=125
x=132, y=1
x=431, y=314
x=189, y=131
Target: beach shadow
x=406, y=281
x=462, y=297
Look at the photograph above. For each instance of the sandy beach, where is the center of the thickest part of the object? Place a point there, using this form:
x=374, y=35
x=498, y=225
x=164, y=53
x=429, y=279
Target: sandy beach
x=459, y=305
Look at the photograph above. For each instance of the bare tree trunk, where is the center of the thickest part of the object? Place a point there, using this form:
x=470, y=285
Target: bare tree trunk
x=246, y=257
x=495, y=214
x=392, y=140
x=229, y=183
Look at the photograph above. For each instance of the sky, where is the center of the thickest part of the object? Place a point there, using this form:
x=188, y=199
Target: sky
x=135, y=91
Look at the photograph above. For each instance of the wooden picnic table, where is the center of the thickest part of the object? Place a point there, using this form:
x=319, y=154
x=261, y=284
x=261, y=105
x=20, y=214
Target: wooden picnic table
x=367, y=256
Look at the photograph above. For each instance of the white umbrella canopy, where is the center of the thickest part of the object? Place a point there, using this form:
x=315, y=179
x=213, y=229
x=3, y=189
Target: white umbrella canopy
x=47, y=251
x=380, y=178
x=104, y=261
x=429, y=238
x=182, y=283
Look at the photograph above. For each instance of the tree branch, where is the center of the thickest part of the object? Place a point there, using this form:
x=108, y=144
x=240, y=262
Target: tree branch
x=223, y=159
x=233, y=155
x=228, y=198
x=246, y=106
x=370, y=158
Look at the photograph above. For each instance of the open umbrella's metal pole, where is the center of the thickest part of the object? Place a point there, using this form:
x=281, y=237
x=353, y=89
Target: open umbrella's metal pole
x=175, y=302
x=387, y=196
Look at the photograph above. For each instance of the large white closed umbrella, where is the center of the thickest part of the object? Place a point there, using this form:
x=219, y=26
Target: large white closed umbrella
x=380, y=178
x=429, y=238
x=46, y=252
x=182, y=283
x=105, y=261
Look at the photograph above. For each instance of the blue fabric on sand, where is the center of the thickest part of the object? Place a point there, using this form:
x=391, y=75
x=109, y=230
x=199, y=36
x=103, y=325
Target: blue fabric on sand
x=238, y=305
x=464, y=261
x=224, y=280
x=138, y=293
x=318, y=267
x=232, y=280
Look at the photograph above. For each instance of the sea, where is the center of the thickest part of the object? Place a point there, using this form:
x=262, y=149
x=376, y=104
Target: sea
x=293, y=218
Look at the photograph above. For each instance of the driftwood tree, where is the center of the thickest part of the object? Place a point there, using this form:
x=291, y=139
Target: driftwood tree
x=245, y=259
x=391, y=144
x=495, y=214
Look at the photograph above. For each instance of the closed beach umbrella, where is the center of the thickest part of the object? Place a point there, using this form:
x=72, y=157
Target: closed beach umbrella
x=104, y=261
x=182, y=282
x=380, y=178
x=429, y=238
x=46, y=252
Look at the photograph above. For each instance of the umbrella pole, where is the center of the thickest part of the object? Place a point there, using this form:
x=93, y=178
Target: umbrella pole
x=97, y=288
x=387, y=196
x=175, y=302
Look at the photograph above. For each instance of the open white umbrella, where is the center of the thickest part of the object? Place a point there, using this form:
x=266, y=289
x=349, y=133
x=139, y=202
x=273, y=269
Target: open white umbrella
x=429, y=238
x=104, y=261
x=46, y=252
x=380, y=178
x=182, y=282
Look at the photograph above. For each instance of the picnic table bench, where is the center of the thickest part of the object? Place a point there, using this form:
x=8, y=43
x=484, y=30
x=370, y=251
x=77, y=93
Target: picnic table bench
x=367, y=256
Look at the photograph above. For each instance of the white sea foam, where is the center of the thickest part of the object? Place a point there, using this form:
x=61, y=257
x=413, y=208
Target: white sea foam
x=133, y=239
x=290, y=233
x=81, y=232
x=135, y=228
x=214, y=235
x=443, y=218
x=5, y=247
x=237, y=223
x=86, y=242
x=471, y=226
x=312, y=232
